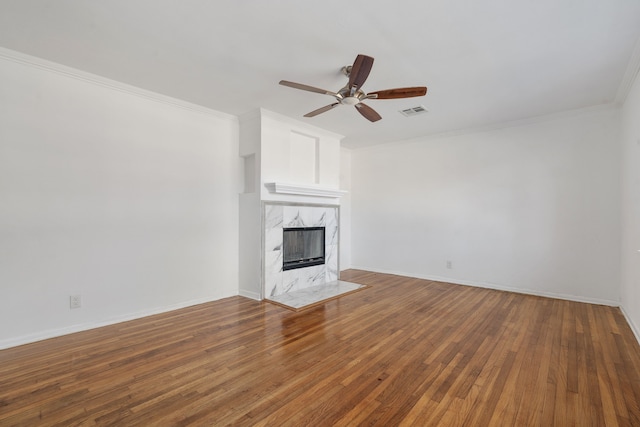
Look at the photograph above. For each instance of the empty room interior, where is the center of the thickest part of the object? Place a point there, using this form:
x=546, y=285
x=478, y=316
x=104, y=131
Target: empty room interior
x=330, y=213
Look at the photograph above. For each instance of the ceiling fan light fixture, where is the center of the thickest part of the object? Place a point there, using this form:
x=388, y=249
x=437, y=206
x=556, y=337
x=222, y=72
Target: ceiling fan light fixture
x=351, y=100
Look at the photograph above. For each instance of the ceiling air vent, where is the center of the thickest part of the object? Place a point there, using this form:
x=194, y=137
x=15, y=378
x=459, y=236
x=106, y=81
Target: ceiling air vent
x=414, y=111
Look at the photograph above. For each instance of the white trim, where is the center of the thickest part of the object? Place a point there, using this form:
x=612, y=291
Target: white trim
x=633, y=68
x=634, y=328
x=43, y=64
x=486, y=285
x=296, y=124
x=303, y=190
x=52, y=333
x=250, y=294
x=562, y=115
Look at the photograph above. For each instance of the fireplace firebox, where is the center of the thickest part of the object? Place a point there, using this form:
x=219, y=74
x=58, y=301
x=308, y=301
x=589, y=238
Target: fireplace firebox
x=302, y=247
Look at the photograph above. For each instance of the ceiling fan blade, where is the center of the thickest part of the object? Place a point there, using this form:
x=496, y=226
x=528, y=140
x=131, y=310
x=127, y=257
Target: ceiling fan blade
x=404, y=92
x=368, y=112
x=322, y=110
x=307, y=88
x=360, y=71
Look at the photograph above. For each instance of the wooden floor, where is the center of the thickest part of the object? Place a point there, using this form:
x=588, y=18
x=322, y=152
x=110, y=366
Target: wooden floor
x=402, y=352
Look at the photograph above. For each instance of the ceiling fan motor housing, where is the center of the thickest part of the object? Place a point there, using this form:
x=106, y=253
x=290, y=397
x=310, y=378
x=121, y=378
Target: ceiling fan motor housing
x=344, y=96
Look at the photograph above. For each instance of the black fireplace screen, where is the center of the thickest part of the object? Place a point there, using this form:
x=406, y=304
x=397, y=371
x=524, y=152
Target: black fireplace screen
x=302, y=247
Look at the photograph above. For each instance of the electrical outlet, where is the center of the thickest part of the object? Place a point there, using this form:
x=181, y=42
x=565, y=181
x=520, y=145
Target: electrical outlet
x=449, y=264
x=75, y=301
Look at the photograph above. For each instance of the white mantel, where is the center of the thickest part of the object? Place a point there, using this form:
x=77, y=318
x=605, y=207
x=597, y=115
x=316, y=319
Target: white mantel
x=303, y=190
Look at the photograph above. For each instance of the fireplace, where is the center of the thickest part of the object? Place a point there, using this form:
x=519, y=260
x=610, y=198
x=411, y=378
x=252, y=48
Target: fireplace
x=278, y=217
x=302, y=247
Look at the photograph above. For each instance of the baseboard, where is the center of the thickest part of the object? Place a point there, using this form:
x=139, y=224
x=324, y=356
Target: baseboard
x=486, y=285
x=249, y=294
x=52, y=333
x=633, y=326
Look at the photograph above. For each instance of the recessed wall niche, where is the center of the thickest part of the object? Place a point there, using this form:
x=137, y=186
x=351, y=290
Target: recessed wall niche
x=250, y=173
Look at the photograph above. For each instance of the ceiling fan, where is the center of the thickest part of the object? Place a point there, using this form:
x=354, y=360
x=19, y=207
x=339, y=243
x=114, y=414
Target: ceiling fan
x=352, y=93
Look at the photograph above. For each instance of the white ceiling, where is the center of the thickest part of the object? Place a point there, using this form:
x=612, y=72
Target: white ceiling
x=484, y=61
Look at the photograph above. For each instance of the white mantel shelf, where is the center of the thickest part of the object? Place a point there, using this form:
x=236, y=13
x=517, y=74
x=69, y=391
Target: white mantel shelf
x=303, y=190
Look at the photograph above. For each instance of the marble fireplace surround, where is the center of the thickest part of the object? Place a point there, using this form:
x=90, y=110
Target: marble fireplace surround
x=279, y=215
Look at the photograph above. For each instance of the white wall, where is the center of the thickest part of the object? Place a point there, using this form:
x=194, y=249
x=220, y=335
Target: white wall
x=127, y=200
x=345, y=209
x=631, y=207
x=250, y=219
x=533, y=208
x=281, y=152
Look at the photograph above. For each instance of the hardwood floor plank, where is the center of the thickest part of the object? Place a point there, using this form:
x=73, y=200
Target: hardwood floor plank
x=404, y=351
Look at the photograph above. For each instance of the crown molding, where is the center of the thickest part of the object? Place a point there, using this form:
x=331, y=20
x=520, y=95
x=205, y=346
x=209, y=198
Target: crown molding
x=259, y=113
x=633, y=68
x=562, y=115
x=54, y=67
x=296, y=124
